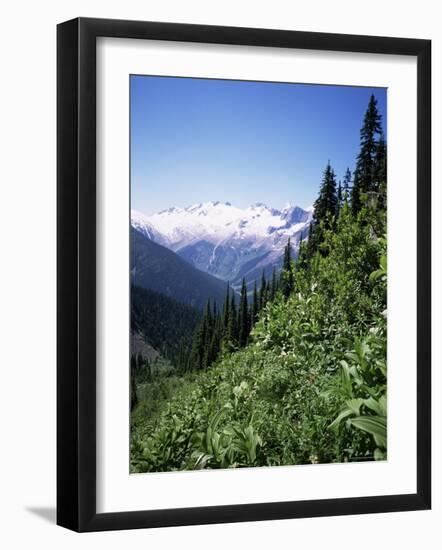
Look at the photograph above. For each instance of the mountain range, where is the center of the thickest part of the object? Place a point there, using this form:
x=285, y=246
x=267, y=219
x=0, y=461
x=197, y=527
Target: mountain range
x=224, y=241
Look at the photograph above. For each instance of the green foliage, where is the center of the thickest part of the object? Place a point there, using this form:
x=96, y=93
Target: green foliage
x=243, y=317
x=363, y=377
x=287, y=279
x=298, y=375
x=327, y=207
x=362, y=386
x=229, y=329
x=346, y=186
x=167, y=325
x=371, y=163
x=309, y=387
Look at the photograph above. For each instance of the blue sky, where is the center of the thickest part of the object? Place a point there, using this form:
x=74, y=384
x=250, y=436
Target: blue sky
x=196, y=140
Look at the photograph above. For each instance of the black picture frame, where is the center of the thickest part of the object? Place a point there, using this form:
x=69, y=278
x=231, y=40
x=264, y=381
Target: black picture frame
x=76, y=274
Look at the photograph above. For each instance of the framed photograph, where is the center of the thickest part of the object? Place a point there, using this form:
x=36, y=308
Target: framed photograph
x=231, y=344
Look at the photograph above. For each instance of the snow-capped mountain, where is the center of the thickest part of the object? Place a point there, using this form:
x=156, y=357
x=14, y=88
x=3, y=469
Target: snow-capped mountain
x=226, y=241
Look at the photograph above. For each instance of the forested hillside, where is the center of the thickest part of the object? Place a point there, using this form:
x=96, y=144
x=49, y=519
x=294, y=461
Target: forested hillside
x=166, y=324
x=295, y=373
x=159, y=269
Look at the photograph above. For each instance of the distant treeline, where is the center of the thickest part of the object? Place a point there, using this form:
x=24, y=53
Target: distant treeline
x=229, y=329
x=167, y=325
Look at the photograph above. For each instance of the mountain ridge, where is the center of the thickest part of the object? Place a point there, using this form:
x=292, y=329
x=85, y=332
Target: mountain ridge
x=159, y=269
x=221, y=239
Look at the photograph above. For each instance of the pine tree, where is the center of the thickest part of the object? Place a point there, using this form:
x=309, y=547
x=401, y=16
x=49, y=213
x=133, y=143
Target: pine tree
x=255, y=305
x=243, y=317
x=339, y=199
x=327, y=201
x=133, y=365
x=200, y=344
x=346, y=186
x=274, y=285
x=226, y=311
x=364, y=173
x=325, y=210
x=302, y=260
x=268, y=289
x=208, y=315
x=147, y=369
x=380, y=172
x=180, y=362
x=232, y=332
x=287, y=279
x=209, y=322
x=212, y=350
x=263, y=291
x=311, y=244
x=133, y=393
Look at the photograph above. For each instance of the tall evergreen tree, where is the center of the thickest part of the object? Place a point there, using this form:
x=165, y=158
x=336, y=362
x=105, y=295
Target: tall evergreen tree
x=325, y=210
x=302, y=259
x=215, y=311
x=311, y=245
x=380, y=162
x=201, y=339
x=268, y=290
x=326, y=203
x=226, y=311
x=255, y=305
x=287, y=261
x=148, y=374
x=274, y=285
x=133, y=365
x=346, y=186
x=133, y=392
x=380, y=172
x=243, y=317
x=208, y=315
x=364, y=173
x=339, y=199
x=287, y=279
x=263, y=291
x=232, y=332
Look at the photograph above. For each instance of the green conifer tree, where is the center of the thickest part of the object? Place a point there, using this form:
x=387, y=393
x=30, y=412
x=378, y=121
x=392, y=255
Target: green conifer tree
x=346, y=186
x=133, y=393
x=302, y=260
x=198, y=355
x=380, y=172
x=232, y=332
x=287, y=279
x=274, y=285
x=339, y=199
x=263, y=291
x=226, y=311
x=325, y=210
x=255, y=305
x=243, y=317
x=365, y=165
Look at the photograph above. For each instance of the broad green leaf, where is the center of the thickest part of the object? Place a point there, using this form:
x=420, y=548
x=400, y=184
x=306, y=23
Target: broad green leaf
x=379, y=406
x=374, y=425
x=354, y=405
x=343, y=414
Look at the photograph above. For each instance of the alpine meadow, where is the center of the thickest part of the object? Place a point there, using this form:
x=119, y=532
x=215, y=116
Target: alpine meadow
x=258, y=326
